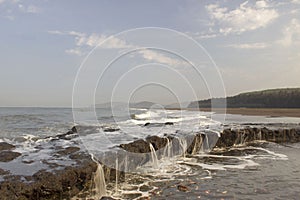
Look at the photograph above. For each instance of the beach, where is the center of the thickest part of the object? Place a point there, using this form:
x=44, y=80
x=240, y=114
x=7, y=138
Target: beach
x=271, y=112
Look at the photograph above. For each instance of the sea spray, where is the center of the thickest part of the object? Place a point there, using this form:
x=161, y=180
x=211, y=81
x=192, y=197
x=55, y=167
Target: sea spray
x=99, y=180
x=153, y=156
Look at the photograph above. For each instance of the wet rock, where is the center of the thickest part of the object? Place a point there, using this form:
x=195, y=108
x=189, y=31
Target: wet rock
x=148, y=124
x=107, y=198
x=196, y=144
x=3, y=172
x=145, y=188
x=230, y=137
x=132, y=195
x=78, y=156
x=68, y=150
x=59, y=184
x=6, y=156
x=138, y=146
x=182, y=188
x=110, y=129
x=110, y=174
x=6, y=146
x=144, y=198
x=27, y=161
x=74, y=129
x=69, y=135
x=157, y=142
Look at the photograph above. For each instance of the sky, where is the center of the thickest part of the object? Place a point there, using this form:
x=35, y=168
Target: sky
x=56, y=51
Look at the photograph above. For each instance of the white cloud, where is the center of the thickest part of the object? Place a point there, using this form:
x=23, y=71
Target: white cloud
x=56, y=32
x=295, y=1
x=84, y=41
x=249, y=46
x=291, y=33
x=244, y=18
x=161, y=58
x=107, y=42
x=75, y=51
x=29, y=9
x=16, y=6
x=92, y=40
x=33, y=9
x=203, y=35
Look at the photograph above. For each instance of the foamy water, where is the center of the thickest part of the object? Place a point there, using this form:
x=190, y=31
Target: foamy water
x=263, y=171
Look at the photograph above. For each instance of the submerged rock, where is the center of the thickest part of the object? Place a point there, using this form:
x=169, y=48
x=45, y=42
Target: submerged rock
x=182, y=188
x=68, y=150
x=69, y=135
x=111, y=129
x=6, y=146
x=107, y=198
x=148, y=124
x=6, y=156
x=3, y=172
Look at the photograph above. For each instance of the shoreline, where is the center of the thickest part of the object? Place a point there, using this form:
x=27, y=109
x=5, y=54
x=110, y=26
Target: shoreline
x=268, y=112
x=75, y=181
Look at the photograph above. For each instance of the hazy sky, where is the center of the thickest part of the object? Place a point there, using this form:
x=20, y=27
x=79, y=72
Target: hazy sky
x=254, y=44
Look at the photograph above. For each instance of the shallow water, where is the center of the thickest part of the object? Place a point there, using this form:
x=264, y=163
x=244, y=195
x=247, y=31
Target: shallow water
x=263, y=171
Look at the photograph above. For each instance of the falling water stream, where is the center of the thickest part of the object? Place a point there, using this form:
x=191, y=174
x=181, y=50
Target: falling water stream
x=153, y=156
x=99, y=181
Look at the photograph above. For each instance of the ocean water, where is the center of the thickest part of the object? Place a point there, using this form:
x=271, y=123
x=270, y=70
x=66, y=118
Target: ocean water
x=261, y=171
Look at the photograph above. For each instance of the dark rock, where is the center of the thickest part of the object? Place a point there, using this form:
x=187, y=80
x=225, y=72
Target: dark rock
x=6, y=156
x=27, y=161
x=138, y=146
x=230, y=137
x=110, y=129
x=196, y=143
x=69, y=135
x=74, y=129
x=6, y=146
x=68, y=150
x=144, y=198
x=147, y=124
x=59, y=184
x=157, y=142
x=107, y=198
x=145, y=188
x=182, y=188
x=3, y=172
x=132, y=195
x=158, y=124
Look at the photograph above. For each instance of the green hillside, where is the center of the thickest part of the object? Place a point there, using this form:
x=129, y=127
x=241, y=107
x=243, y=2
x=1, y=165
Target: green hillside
x=274, y=98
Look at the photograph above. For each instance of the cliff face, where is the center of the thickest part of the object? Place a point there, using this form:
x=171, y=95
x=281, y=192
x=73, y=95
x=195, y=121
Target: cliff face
x=277, y=98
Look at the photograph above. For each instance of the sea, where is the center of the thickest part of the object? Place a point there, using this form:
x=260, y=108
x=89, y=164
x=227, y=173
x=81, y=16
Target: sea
x=263, y=170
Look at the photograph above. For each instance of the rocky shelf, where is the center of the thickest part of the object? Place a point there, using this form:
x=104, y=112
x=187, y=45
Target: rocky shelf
x=64, y=182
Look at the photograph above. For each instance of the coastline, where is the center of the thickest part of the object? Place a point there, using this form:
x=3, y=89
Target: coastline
x=269, y=112
x=75, y=181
